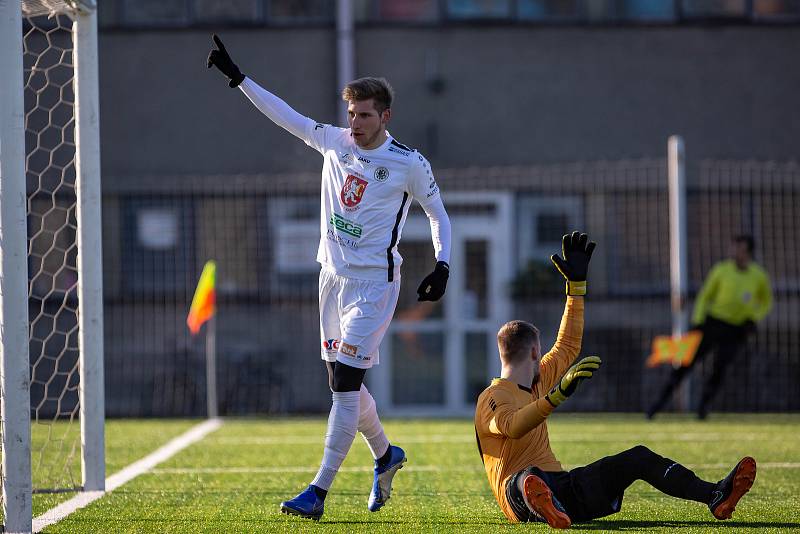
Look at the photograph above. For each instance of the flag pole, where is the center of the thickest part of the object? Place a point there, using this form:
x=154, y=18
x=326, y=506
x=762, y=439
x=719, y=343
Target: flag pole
x=211, y=368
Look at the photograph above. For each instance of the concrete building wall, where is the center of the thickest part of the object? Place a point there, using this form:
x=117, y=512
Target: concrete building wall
x=465, y=95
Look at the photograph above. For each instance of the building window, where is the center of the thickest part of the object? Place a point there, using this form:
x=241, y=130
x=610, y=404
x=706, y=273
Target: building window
x=230, y=11
x=541, y=221
x=549, y=10
x=479, y=9
x=158, y=247
x=300, y=11
x=776, y=10
x=714, y=8
x=293, y=232
x=156, y=12
x=157, y=228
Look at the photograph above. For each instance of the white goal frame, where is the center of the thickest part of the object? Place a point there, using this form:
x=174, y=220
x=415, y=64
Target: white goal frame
x=14, y=328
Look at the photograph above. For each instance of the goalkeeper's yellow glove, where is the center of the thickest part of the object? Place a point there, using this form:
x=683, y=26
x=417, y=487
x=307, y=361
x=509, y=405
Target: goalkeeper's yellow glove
x=577, y=251
x=569, y=382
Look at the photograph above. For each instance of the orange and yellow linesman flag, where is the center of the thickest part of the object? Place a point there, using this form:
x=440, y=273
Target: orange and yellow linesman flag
x=204, y=303
x=675, y=350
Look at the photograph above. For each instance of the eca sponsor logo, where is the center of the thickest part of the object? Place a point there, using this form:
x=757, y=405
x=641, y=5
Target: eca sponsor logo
x=331, y=345
x=381, y=174
x=399, y=151
x=352, y=191
x=347, y=226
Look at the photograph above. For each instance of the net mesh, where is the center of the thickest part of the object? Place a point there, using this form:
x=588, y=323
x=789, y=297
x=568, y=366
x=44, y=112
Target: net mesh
x=52, y=253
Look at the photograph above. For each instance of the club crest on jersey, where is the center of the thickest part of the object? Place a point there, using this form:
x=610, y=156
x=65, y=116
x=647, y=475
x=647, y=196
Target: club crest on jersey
x=352, y=191
x=381, y=174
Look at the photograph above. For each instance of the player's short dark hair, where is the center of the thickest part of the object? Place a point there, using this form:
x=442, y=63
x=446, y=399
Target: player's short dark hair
x=747, y=240
x=365, y=88
x=515, y=340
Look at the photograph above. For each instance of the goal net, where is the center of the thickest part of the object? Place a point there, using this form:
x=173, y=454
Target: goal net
x=64, y=295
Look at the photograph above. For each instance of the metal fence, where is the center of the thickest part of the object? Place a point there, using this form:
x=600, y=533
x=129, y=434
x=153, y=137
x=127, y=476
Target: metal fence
x=262, y=232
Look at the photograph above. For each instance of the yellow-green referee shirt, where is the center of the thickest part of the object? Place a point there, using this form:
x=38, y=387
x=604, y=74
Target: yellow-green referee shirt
x=733, y=295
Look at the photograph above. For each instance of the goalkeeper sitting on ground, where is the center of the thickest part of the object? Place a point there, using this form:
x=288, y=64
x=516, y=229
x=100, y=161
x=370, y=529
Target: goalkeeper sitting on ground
x=510, y=425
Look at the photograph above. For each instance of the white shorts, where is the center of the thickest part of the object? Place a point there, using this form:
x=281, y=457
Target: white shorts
x=353, y=317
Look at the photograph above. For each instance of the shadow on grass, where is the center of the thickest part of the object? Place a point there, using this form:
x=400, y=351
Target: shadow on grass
x=627, y=524
x=287, y=493
x=272, y=520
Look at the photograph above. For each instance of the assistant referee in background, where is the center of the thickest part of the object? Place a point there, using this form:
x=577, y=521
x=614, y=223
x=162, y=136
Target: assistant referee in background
x=735, y=296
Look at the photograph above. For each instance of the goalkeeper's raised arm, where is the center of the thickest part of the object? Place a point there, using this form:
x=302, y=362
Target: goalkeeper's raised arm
x=270, y=105
x=576, y=250
x=520, y=352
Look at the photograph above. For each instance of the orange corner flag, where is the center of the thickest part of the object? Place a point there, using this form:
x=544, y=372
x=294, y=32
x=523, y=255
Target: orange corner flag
x=204, y=303
x=680, y=350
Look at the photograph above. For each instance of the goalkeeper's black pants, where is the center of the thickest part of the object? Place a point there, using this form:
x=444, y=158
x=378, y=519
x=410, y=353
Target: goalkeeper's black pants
x=726, y=341
x=596, y=490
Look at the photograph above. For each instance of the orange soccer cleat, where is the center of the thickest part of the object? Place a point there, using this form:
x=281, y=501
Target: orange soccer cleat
x=731, y=488
x=540, y=500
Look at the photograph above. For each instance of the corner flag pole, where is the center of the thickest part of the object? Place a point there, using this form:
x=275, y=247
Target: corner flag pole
x=211, y=368
x=203, y=310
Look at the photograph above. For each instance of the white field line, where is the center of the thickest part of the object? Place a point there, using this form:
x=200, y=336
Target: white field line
x=450, y=438
x=193, y=435
x=422, y=468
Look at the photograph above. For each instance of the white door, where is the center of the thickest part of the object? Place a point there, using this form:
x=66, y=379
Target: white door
x=437, y=357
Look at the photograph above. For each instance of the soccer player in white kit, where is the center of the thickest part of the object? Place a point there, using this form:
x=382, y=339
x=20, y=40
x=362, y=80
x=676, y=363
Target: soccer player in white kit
x=368, y=182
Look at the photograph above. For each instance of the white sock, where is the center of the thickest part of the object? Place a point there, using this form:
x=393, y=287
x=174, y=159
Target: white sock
x=342, y=426
x=370, y=425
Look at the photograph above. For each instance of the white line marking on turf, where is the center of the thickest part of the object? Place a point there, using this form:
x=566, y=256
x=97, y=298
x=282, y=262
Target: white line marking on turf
x=424, y=468
x=193, y=435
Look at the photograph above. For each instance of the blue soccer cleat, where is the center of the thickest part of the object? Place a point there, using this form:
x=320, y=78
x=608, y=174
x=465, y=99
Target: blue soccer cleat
x=307, y=505
x=382, y=484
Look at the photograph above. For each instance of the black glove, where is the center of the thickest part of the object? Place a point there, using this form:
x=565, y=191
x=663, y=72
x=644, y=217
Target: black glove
x=220, y=59
x=749, y=326
x=577, y=251
x=433, y=286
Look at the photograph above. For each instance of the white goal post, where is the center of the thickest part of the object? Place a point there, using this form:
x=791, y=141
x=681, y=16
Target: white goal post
x=80, y=219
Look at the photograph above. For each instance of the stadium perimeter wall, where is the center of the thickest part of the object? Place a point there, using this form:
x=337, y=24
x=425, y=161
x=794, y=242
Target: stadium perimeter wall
x=508, y=95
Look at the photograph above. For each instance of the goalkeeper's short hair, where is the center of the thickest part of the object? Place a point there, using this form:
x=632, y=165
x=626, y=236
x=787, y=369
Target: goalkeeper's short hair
x=515, y=340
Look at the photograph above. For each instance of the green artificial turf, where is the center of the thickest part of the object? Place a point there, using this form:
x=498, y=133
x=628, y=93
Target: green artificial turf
x=234, y=479
x=56, y=458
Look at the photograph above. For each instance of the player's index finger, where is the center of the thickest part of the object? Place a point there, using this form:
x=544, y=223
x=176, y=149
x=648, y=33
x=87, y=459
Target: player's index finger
x=218, y=42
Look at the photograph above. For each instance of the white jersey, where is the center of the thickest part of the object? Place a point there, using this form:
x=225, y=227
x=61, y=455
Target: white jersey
x=365, y=199
x=365, y=194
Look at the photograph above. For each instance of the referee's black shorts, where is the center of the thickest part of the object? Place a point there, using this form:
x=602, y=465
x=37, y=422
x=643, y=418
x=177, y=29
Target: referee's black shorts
x=585, y=493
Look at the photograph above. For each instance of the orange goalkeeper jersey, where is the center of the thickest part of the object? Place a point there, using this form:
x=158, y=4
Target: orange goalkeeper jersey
x=510, y=419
